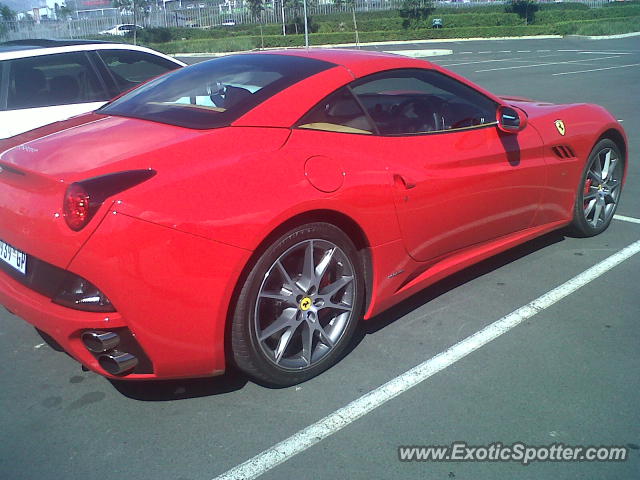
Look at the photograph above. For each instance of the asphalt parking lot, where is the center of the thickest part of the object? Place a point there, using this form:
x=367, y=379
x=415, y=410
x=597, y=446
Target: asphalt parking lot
x=565, y=374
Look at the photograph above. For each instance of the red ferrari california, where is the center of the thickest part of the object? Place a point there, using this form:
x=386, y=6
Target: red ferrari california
x=252, y=209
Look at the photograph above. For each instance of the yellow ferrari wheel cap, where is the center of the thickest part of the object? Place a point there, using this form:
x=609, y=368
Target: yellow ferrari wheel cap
x=305, y=304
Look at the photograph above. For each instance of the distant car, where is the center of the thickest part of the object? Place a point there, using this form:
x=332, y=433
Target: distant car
x=121, y=29
x=43, y=81
x=252, y=209
x=229, y=23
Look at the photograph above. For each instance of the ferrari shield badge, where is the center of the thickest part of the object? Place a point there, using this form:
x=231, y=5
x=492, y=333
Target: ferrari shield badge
x=560, y=126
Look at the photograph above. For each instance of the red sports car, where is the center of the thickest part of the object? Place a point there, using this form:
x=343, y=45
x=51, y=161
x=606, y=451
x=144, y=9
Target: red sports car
x=252, y=209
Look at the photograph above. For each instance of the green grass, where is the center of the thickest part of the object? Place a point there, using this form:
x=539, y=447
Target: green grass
x=550, y=16
x=612, y=26
x=252, y=42
x=207, y=45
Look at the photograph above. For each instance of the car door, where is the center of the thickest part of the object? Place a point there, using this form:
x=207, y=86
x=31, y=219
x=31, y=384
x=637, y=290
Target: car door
x=458, y=180
x=47, y=88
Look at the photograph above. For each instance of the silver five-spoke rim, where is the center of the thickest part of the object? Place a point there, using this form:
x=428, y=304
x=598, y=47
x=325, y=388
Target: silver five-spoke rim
x=305, y=304
x=602, y=187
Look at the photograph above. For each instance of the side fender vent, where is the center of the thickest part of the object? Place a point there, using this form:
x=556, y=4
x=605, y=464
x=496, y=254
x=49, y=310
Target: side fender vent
x=563, y=151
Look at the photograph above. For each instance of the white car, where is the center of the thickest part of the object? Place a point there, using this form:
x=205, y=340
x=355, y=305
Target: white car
x=44, y=81
x=121, y=29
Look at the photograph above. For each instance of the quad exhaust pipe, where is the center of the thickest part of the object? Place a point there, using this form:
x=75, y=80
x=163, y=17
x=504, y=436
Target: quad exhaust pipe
x=98, y=342
x=117, y=363
x=105, y=343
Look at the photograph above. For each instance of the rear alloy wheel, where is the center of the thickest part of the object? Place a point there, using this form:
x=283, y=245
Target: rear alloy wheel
x=600, y=189
x=299, y=306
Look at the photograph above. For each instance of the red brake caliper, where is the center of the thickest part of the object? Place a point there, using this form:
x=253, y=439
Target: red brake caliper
x=587, y=189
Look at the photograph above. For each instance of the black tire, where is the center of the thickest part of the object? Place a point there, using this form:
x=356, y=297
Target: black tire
x=288, y=324
x=597, y=195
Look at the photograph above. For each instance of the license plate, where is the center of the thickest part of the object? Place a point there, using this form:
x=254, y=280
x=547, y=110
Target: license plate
x=13, y=257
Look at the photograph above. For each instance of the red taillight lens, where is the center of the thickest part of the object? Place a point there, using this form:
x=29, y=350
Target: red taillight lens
x=83, y=199
x=76, y=206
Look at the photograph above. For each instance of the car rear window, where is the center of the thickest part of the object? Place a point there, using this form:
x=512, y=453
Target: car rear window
x=214, y=93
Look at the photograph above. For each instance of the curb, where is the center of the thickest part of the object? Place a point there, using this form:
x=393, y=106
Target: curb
x=373, y=44
x=606, y=37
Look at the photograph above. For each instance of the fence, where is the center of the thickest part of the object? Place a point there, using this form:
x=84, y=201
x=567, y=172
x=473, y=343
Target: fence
x=205, y=16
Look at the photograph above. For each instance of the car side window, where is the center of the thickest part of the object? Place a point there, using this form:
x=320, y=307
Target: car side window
x=339, y=112
x=131, y=68
x=59, y=79
x=416, y=101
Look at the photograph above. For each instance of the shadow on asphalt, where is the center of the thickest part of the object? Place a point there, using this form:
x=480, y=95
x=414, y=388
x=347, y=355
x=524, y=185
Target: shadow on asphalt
x=169, y=390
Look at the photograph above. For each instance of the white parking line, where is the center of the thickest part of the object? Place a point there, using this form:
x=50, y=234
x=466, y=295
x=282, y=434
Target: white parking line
x=484, y=61
x=605, y=53
x=597, y=69
x=597, y=53
x=510, y=59
x=545, y=64
x=627, y=219
x=336, y=421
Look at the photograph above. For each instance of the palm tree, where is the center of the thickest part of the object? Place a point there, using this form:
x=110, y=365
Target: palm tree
x=6, y=13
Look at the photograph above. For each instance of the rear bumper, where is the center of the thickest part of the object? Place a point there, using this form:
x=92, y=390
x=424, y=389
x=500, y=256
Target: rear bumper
x=171, y=290
x=63, y=324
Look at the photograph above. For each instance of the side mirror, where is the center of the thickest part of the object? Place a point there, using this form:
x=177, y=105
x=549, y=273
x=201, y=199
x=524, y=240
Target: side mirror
x=511, y=119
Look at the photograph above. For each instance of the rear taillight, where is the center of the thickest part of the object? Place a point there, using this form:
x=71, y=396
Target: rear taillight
x=83, y=199
x=76, y=206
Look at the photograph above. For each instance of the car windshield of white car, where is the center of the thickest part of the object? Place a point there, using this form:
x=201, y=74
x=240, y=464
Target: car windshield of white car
x=215, y=93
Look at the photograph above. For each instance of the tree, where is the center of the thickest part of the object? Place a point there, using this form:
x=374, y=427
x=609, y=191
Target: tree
x=297, y=25
x=6, y=13
x=524, y=8
x=256, y=7
x=278, y=6
x=62, y=12
x=414, y=12
x=139, y=8
x=351, y=4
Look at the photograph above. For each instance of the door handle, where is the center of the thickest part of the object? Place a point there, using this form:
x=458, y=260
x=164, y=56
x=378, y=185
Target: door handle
x=403, y=182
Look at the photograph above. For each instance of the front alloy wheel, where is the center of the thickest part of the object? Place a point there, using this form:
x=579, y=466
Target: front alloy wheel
x=299, y=306
x=600, y=190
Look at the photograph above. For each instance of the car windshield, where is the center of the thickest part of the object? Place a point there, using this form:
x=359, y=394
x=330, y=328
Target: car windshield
x=214, y=93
